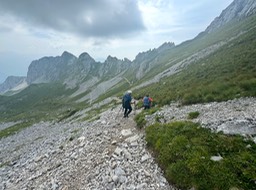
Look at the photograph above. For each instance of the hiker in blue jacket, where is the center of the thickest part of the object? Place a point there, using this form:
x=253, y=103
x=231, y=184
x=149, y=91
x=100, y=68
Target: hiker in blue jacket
x=147, y=102
x=127, y=99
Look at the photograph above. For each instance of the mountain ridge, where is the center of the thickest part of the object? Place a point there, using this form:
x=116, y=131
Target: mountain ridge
x=84, y=71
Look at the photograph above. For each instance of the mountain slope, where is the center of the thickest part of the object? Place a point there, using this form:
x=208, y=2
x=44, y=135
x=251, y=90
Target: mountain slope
x=218, y=64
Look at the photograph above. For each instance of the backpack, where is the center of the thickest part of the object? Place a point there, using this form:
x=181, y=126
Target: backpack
x=146, y=101
x=126, y=100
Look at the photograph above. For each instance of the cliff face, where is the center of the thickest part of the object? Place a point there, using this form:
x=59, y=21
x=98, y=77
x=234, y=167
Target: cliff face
x=68, y=67
x=237, y=10
x=50, y=69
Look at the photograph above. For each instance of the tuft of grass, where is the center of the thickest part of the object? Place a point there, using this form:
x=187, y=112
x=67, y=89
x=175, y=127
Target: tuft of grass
x=140, y=118
x=184, y=151
x=193, y=115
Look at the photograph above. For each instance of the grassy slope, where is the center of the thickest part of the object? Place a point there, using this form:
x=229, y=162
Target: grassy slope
x=35, y=102
x=184, y=151
x=228, y=73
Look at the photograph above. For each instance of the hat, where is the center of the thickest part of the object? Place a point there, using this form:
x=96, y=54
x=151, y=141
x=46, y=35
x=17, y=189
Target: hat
x=129, y=91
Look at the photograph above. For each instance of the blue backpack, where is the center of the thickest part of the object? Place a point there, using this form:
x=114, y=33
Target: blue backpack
x=146, y=101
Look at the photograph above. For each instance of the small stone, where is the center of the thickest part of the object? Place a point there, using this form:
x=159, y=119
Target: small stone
x=114, y=142
x=126, y=132
x=115, y=178
x=216, y=158
x=144, y=158
x=119, y=171
x=118, y=151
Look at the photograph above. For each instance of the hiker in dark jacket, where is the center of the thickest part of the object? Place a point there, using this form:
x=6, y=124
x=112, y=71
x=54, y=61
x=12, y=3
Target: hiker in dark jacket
x=127, y=98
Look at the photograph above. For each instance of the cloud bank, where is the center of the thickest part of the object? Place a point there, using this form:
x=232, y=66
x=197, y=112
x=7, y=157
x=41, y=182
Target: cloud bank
x=86, y=18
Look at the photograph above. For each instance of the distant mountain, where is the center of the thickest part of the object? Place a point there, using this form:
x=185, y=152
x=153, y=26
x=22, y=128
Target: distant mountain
x=87, y=80
x=13, y=83
x=50, y=69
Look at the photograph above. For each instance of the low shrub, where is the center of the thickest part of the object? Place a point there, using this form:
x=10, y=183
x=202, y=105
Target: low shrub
x=140, y=120
x=184, y=150
x=193, y=115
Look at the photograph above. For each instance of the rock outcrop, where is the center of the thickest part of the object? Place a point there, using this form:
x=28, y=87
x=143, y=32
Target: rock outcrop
x=237, y=10
x=50, y=69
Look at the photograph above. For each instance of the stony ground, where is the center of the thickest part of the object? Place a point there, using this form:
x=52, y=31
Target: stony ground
x=236, y=116
x=109, y=153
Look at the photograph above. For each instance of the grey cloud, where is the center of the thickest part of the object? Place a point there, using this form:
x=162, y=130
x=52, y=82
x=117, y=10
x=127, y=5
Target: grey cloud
x=93, y=18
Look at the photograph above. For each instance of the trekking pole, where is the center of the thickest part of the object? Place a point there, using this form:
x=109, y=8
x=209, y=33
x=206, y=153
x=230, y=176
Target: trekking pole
x=119, y=111
x=134, y=107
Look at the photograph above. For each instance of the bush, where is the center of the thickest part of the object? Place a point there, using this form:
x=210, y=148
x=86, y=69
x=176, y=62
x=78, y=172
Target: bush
x=193, y=115
x=140, y=120
x=184, y=151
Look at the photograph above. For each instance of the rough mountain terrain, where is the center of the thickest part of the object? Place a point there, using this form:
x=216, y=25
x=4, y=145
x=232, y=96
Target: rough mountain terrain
x=109, y=153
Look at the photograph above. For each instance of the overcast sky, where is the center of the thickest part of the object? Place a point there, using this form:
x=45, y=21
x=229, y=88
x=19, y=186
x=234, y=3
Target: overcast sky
x=31, y=29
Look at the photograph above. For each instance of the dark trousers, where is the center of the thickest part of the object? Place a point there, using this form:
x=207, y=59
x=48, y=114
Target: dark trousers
x=146, y=107
x=127, y=110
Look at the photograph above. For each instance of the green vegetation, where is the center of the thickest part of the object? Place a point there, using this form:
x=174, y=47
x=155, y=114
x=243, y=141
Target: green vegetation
x=14, y=129
x=184, y=151
x=140, y=118
x=67, y=114
x=228, y=73
x=193, y=115
x=37, y=102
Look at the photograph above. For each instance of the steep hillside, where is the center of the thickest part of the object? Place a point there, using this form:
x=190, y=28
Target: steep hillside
x=221, y=71
x=218, y=64
x=66, y=129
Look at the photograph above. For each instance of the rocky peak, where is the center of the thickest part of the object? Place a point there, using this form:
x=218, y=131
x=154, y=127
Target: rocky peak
x=67, y=56
x=111, y=59
x=237, y=10
x=142, y=56
x=165, y=46
x=85, y=57
x=113, y=66
x=50, y=69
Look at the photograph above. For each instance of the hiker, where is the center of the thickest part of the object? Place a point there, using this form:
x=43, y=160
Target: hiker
x=127, y=98
x=147, y=102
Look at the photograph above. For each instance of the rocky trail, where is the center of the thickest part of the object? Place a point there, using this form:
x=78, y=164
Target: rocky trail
x=109, y=153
